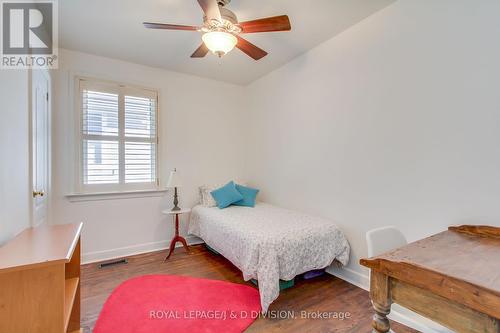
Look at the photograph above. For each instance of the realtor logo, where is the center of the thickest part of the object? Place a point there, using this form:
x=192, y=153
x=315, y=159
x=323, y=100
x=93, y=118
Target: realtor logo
x=29, y=34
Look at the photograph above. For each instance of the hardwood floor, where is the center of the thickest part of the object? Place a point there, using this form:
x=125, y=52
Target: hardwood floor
x=324, y=294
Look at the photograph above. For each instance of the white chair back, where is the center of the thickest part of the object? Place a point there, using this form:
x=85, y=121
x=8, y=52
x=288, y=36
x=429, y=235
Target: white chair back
x=384, y=239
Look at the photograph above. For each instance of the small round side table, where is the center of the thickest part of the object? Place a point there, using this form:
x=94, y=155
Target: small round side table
x=177, y=238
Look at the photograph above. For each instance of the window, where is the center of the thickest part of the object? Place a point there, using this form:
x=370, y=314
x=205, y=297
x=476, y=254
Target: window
x=118, y=137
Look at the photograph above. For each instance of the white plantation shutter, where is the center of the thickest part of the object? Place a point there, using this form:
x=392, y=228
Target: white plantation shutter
x=140, y=117
x=119, y=140
x=100, y=137
x=140, y=139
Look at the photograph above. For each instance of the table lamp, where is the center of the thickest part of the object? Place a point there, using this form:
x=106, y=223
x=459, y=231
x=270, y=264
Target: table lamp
x=174, y=182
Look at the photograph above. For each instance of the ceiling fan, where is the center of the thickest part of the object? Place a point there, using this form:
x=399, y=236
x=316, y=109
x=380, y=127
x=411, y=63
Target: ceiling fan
x=221, y=30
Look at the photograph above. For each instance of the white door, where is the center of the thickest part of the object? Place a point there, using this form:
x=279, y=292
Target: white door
x=40, y=145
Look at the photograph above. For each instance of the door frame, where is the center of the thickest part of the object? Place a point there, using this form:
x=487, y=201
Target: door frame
x=46, y=74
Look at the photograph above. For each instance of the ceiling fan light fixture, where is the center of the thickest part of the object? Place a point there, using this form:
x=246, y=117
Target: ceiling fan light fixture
x=221, y=30
x=219, y=42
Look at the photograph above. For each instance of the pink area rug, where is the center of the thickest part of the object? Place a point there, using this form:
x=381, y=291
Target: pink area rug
x=173, y=303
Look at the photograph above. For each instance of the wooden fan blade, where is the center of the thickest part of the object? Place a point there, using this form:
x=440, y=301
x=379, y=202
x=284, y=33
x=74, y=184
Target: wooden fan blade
x=169, y=26
x=200, y=52
x=211, y=9
x=250, y=49
x=275, y=23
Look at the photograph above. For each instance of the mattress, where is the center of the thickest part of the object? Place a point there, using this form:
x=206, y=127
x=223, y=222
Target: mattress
x=269, y=243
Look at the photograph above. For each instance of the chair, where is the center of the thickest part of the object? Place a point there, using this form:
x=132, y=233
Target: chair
x=384, y=239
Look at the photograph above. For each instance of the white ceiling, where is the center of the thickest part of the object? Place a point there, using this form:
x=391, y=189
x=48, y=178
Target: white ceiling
x=113, y=28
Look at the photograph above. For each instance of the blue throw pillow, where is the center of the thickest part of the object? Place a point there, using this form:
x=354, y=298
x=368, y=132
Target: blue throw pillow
x=249, y=194
x=226, y=195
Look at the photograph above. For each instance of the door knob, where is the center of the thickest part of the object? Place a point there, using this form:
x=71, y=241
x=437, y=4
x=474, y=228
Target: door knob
x=38, y=193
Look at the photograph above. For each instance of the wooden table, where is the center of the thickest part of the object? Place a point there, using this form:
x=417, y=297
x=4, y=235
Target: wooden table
x=177, y=237
x=452, y=278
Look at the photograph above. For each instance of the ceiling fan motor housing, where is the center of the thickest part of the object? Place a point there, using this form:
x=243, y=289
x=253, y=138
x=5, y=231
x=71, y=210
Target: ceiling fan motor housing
x=229, y=22
x=222, y=3
x=228, y=15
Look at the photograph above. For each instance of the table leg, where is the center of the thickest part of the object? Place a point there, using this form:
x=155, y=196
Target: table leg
x=177, y=238
x=183, y=241
x=172, y=247
x=380, y=322
x=381, y=301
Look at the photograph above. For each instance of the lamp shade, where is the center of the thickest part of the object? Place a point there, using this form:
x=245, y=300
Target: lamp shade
x=174, y=180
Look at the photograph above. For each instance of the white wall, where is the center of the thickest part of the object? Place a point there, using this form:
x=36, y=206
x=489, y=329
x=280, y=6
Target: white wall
x=395, y=121
x=200, y=121
x=14, y=152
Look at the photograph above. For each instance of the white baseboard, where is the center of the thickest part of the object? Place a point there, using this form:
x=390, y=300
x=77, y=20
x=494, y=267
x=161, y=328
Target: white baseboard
x=359, y=280
x=398, y=313
x=96, y=256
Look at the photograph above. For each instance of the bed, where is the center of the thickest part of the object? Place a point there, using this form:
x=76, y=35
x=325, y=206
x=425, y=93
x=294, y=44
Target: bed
x=268, y=243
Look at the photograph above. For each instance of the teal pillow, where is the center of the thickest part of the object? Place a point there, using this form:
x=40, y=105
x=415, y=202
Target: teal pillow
x=226, y=195
x=249, y=194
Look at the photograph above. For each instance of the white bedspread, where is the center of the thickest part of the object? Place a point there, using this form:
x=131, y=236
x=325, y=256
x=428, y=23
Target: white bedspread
x=268, y=243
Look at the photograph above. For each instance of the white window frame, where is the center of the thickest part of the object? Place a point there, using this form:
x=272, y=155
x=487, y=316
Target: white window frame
x=121, y=89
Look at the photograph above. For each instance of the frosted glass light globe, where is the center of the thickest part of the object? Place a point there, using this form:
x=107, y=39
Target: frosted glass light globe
x=219, y=42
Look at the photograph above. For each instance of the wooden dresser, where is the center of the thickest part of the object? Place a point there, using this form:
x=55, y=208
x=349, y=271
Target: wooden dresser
x=40, y=280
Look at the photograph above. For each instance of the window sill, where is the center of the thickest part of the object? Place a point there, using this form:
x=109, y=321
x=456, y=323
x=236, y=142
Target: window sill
x=77, y=197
